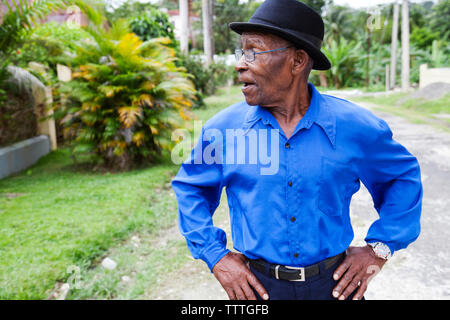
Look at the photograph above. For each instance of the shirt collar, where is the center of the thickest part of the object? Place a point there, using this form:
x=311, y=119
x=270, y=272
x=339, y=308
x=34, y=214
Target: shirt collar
x=319, y=112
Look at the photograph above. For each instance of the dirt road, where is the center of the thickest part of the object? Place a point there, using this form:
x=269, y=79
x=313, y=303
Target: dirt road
x=422, y=271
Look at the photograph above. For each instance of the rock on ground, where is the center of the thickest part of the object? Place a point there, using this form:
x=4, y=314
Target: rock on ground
x=433, y=91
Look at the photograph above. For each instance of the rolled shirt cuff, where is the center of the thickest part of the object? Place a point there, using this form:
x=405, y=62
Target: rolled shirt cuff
x=213, y=254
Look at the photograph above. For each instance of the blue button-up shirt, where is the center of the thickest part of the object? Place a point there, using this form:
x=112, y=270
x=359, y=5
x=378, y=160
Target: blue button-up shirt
x=289, y=198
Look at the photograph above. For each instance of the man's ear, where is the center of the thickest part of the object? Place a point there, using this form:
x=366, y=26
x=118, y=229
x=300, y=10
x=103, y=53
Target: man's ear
x=301, y=59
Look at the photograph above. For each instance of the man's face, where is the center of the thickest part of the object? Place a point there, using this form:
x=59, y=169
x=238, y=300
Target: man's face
x=268, y=79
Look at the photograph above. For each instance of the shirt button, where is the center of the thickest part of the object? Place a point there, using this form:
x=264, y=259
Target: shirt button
x=290, y=183
x=296, y=255
x=293, y=219
x=287, y=145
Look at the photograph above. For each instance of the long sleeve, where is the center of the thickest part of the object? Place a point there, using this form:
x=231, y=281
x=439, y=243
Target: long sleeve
x=392, y=176
x=198, y=188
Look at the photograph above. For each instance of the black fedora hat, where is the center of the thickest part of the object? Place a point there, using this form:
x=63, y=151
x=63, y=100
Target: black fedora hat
x=291, y=20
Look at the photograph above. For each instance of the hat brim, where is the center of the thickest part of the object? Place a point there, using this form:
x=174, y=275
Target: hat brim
x=321, y=62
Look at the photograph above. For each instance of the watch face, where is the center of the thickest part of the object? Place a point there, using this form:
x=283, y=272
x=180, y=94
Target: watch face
x=382, y=250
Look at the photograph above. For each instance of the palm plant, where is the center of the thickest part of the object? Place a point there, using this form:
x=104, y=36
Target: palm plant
x=18, y=23
x=125, y=98
x=439, y=54
x=343, y=56
x=16, y=26
x=19, y=19
x=379, y=58
x=339, y=21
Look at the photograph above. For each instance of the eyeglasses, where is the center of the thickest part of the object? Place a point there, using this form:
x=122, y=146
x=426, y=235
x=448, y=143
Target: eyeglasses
x=249, y=55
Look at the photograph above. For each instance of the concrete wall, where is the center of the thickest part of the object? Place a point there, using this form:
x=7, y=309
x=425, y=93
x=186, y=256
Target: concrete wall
x=23, y=155
x=433, y=75
x=46, y=123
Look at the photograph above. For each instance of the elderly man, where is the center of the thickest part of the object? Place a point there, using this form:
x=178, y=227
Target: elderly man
x=290, y=223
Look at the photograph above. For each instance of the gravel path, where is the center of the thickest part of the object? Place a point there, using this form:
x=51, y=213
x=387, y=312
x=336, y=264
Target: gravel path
x=422, y=271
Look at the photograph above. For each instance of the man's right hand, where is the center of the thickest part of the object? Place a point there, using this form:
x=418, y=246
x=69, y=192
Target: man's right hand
x=235, y=276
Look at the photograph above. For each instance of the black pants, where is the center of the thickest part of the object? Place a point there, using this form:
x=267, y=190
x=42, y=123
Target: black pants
x=318, y=287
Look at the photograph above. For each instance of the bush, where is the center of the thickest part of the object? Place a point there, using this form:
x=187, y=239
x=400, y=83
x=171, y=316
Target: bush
x=49, y=45
x=153, y=24
x=343, y=56
x=223, y=74
x=66, y=35
x=18, y=23
x=125, y=99
x=423, y=37
x=207, y=80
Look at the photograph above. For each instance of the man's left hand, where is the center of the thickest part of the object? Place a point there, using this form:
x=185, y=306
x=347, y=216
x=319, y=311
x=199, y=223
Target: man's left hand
x=355, y=272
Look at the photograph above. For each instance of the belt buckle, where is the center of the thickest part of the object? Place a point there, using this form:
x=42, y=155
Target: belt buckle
x=301, y=273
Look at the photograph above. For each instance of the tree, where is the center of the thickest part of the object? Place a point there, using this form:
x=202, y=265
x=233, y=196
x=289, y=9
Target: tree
x=175, y=5
x=152, y=23
x=169, y=4
x=394, y=44
x=405, y=46
x=439, y=19
x=423, y=37
x=317, y=5
x=417, y=15
x=343, y=56
x=339, y=23
x=18, y=24
x=184, y=36
x=126, y=10
x=207, y=31
x=226, y=11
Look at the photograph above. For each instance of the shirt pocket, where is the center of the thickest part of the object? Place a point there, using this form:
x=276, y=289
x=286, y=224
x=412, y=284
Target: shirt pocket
x=336, y=183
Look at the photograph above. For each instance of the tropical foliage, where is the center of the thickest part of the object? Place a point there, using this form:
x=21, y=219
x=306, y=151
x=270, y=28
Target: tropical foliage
x=47, y=46
x=18, y=23
x=439, y=19
x=17, y=119
x=153, y=23
x=20, y=17
x=359, y=54
x=226, y=11
x=126, y=97
x=343, y=56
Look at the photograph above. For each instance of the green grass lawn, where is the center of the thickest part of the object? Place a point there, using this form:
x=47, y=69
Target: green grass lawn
x=54, y=216
x=223, y=98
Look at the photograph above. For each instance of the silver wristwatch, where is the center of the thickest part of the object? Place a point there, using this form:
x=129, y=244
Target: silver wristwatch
x=380, y=249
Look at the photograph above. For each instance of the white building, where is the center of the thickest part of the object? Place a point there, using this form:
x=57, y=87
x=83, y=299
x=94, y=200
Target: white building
x=175, y=19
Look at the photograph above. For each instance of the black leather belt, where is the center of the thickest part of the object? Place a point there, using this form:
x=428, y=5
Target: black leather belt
x=294, y=273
